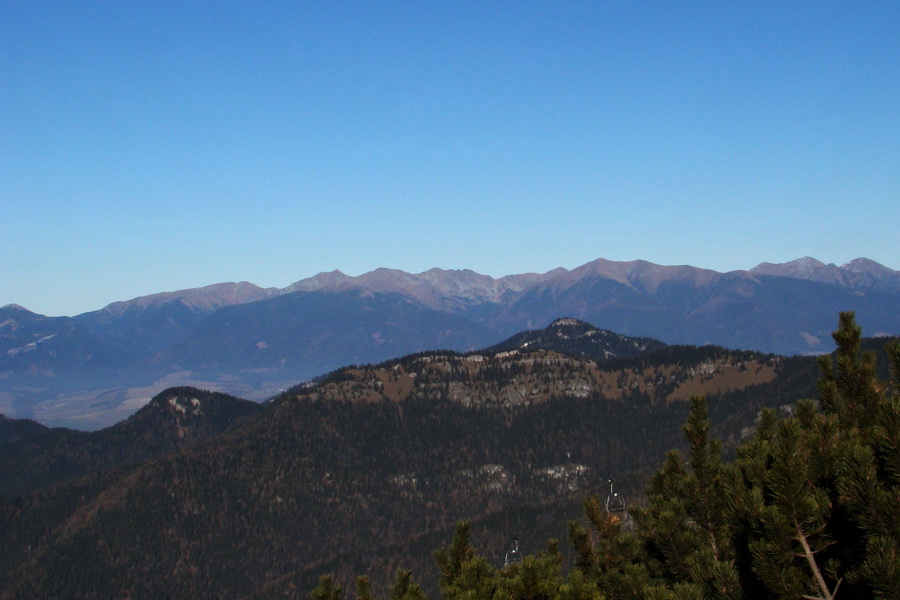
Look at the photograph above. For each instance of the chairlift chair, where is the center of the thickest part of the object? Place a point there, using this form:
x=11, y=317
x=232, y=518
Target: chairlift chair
x=614, y=502
x=513, y=556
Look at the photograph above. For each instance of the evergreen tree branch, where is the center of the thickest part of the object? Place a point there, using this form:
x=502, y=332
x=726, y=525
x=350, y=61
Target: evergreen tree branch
x=814, y=568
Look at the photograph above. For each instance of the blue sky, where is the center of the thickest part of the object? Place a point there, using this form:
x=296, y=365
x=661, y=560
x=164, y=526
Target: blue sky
x=153, y=146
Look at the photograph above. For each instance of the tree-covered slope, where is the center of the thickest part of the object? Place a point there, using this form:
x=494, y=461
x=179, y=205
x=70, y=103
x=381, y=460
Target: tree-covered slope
x=175, y=419
x=571, y=336
x=809, y=509
x=371, y=465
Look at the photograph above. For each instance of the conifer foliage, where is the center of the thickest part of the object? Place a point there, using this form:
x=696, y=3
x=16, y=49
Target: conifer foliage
x=810, y=508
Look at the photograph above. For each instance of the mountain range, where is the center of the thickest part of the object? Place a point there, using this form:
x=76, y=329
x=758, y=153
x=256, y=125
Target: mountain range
x=96, y=368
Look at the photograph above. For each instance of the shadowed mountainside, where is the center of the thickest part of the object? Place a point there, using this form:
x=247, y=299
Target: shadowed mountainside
x=176, y=419
x=371, y=466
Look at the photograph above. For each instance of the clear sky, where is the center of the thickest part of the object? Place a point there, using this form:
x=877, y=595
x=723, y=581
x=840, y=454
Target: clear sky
x=150, y=146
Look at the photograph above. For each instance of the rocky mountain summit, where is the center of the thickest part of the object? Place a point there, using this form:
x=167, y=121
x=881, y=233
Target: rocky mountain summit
x=858, y=274
x=572, y=336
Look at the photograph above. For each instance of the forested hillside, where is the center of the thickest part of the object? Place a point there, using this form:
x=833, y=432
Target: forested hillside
x=369, y=469
x=809, y=509
x=178, y=418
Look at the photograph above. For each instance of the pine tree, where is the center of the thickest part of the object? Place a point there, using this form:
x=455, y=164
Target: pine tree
x=867, y=460
x=327, y=589
x=607, y=556
x=818, y=495
x=464, y=575
x=869, y=482
x=789, y=516
x=405, y=588
x=852, y=392
x=684, y=528
x=537, y=577
x=450, y=560
x=362, y=588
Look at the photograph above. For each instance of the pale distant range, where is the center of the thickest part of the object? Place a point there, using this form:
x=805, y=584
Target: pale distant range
x=94, y=369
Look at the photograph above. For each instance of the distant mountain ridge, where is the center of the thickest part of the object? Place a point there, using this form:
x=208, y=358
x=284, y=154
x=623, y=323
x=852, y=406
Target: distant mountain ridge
x=208, y=297
x=862, y=274
x=467, y=286
x=98, y=367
